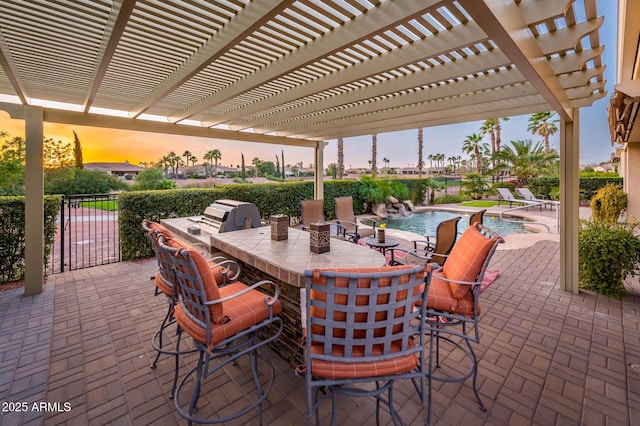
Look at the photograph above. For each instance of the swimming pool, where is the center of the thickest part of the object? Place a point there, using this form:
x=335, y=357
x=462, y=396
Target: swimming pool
x=425, y=223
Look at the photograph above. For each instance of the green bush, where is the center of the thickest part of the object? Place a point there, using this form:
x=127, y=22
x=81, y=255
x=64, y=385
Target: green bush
x=608, y=203
x=474, y=185
x=588, y=185
x=609, y=252
x=12, y=223
x=72, y=181
x=448, y=199
x=152, y=179
x=509, y=185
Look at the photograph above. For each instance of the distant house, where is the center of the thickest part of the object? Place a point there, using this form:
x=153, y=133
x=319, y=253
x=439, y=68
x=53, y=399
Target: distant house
x=606, y=167
x=115, y=169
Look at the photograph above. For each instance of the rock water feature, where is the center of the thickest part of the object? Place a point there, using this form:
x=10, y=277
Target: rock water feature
x=393, y=208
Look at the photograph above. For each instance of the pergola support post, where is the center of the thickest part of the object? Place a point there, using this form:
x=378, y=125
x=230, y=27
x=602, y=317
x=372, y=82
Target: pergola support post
x=318, y=183
x=34, y=201
x=569, y=202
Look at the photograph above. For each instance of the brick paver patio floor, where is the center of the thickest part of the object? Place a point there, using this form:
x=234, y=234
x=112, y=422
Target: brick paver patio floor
x=547, y=357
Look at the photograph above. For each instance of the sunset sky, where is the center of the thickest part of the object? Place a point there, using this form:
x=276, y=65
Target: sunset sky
x=106, y=145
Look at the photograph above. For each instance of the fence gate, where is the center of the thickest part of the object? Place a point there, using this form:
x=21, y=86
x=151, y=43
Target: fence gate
x=87, y=234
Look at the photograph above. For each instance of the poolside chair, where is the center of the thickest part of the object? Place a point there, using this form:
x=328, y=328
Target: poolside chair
x=432, y=250
x=526, y=194
x=224, y=269
x=477, y=217
x=347, y=221
x=504, y=195
x=226, y=324
x=362, y=326
x=453, y=308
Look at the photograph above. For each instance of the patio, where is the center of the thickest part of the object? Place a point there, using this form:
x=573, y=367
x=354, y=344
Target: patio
x=546, y=356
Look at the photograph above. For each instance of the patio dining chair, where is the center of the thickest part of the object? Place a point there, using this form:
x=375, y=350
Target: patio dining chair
x=362, y=328
x=226, y=270
x=477, y=217
x=312, y=211
x=453, y=308
x=347, y=221
x=434, y=249
x=227, y=324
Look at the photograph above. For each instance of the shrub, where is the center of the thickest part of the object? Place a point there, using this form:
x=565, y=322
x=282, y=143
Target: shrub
x=509, y=185
x=152, y=179
x=72, y=181
x=608, y=253
x=608, y=203
x=12, y=223
x=448, y=199
x=474, y=185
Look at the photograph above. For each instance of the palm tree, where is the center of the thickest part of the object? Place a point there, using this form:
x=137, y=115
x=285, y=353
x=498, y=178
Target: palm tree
x=472, y=144
x=527, y=160
x=213, y=155
x=187, y=156
x=340, y=158
x=430, y=158
x=440, y=161
x=193, y=160
x=386, y=161
x=542, y=123
x=498, y=129
x=374, y=154
x=420, y=146
x=489, y=127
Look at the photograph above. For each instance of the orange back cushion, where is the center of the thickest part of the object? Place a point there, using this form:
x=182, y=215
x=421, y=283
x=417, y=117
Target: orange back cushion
x=155, y=226
x=467, y=258
x=208, y=277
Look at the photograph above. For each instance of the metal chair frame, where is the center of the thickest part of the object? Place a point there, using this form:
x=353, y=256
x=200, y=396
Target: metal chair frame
x=444, y=325
x=167, y=274
x=358, y=325
x=193, y=301
x=430, y=251
x=347, y=221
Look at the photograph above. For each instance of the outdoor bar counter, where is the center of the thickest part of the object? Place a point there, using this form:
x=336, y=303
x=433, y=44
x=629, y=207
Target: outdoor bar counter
x=282, y=262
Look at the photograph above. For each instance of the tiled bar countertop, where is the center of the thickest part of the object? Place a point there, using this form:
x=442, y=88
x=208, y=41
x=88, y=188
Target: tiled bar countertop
x=287, y=260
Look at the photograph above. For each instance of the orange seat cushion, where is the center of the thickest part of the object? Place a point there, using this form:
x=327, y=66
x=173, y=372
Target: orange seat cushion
x=243, y=311
x=466, y=259
x=344, y=370
x=441, y=298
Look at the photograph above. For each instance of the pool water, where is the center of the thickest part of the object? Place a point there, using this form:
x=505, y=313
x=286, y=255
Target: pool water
x=425, y=223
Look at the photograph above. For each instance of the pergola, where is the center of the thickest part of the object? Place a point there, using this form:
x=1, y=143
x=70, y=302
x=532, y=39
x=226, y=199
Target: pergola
x=296, y=73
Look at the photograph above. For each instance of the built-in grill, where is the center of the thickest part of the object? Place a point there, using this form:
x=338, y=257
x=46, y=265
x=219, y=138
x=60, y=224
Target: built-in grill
x=230, y=215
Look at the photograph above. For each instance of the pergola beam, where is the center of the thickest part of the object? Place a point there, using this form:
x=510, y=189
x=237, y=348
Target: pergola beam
x=503, y=23
x=115, y=27
x=254, y=15
x=386, y=15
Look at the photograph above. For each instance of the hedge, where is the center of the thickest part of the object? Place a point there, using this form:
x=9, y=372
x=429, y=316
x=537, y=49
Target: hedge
x=280, y=198
x=12, y=226
x=588, y=185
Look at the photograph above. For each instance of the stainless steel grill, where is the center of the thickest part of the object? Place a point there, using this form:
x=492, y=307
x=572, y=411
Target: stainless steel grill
x=230, y=215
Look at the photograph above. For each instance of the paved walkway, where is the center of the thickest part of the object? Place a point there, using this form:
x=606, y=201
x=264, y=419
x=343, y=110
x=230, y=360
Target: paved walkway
x=547, y=357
